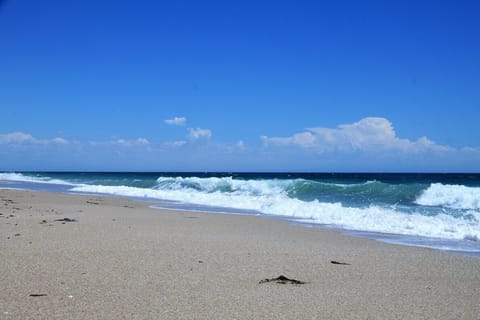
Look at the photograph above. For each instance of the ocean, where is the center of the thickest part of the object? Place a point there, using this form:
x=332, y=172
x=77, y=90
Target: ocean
x=440, y=211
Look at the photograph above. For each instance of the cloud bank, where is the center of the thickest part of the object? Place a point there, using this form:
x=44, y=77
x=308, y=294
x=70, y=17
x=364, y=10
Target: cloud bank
x=25, y=138
x=370, y=144
x=369, y=134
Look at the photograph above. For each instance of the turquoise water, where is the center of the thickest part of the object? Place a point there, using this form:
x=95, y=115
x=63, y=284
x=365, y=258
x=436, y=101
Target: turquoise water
x=434, y=210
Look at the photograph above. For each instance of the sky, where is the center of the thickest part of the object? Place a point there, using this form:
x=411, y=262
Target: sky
x=240, y=85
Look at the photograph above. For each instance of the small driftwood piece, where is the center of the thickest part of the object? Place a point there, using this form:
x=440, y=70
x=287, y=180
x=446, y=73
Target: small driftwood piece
x=282, y=280
x=342, y=263
x=38, y=295
x=66, y=220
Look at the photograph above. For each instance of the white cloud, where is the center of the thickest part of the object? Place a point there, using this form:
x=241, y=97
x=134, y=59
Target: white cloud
x=59, y=140
x=132, y=142
x=199, y=133
x=368, y=134
x=25, y=138
x=121, y=142
x=177, y=121
x=16, y=137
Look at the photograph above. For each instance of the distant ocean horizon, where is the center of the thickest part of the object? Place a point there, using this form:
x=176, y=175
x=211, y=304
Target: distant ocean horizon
x=436, y=210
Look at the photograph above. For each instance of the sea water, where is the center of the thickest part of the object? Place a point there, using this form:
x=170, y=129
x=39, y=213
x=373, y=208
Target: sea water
x=440, y=211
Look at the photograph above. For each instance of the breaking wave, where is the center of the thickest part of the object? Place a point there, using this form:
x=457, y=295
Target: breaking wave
x=451, y=196
x=304, y=200
x=418, y=208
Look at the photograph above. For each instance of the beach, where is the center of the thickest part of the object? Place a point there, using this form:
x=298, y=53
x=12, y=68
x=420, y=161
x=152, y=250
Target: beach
x=68, y=256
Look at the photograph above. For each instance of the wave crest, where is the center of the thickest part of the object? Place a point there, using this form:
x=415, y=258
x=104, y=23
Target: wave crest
x=451, y=196
x=223, y=185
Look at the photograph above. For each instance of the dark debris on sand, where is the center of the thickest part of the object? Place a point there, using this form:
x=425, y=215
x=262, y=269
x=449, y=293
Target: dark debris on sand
x=63, y=220
x=282, y=280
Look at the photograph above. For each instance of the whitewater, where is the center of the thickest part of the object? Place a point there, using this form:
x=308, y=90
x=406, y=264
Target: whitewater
x=439, y=211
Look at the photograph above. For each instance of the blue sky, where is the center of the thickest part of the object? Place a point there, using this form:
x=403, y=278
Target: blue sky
x=240, y=85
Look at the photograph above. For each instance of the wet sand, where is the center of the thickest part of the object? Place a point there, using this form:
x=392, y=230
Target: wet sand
x=110, y=258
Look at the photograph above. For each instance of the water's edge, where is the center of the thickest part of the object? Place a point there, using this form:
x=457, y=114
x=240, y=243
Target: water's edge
x=452, y=246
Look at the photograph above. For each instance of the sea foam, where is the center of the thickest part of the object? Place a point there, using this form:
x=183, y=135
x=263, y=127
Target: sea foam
x=270, y=197
x=430, y=210
x=12, y=176
x=451, y=196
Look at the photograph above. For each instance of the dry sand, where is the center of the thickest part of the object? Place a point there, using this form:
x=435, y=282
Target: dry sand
x=124, y=260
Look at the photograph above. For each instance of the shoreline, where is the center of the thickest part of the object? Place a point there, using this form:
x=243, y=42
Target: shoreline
x=449, y=245
x=453, y=232
x=122, y=259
